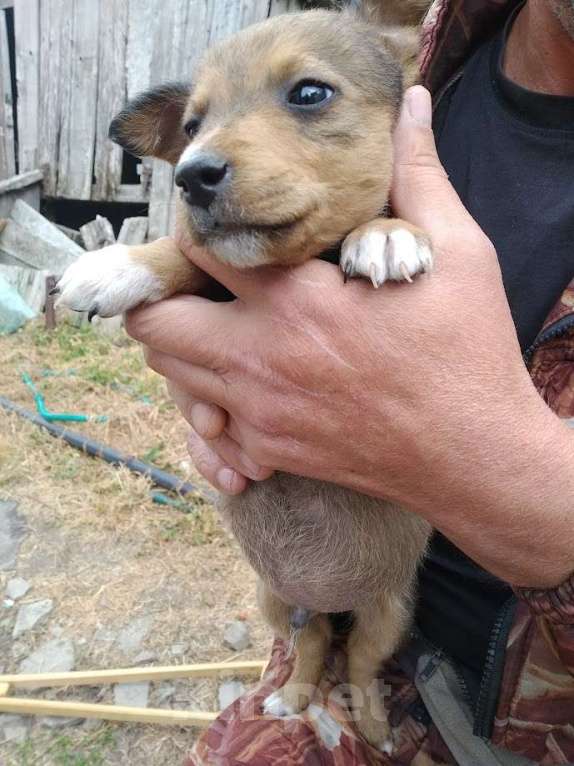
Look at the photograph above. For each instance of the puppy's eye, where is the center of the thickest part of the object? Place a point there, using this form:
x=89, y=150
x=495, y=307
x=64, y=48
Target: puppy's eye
x=192, y=126
x=310, y=93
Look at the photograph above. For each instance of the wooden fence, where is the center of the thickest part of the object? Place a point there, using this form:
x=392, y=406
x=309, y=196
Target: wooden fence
x=76, y=63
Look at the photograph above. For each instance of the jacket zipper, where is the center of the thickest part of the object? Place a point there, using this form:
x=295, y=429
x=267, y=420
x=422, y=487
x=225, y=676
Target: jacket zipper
x=555, y=330
x=488, y=694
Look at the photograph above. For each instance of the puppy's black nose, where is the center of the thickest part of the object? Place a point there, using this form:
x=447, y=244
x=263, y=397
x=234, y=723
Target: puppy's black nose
x=201, y=178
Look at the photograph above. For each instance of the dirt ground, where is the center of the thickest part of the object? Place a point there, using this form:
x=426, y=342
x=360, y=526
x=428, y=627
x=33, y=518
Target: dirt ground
x=104, y=552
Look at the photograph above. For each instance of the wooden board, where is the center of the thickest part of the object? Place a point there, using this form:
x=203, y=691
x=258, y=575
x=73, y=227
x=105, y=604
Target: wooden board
x=27, y=36
x=112, y=92
x=78, y=125
x=34, y=222
x=20, y=247
x=7, y=145
x=55, y=27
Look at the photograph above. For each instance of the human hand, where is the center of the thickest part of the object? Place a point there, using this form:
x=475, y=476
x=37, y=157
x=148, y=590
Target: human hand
x=408, y=392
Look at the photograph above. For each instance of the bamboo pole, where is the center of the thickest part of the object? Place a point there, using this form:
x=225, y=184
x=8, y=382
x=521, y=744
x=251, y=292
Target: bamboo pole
x=107, y=712
x=131, y=675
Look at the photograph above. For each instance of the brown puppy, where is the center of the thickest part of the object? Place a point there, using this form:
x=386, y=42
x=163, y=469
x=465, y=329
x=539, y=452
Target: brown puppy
x=283, y=150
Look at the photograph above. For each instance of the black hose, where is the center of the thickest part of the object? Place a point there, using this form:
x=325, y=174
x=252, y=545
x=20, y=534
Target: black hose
x=97, y=449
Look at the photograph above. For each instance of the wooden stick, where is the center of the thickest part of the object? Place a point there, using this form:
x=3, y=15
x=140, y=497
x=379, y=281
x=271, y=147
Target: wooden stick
x=128, y=675
x=107, y=712
x=49, y=310
x=4, y=689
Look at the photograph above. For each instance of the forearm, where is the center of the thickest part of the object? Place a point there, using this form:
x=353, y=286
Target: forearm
x=507, y=499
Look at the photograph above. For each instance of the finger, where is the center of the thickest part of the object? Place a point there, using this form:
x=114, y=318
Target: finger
x=232, y=454
x=421, y=192
x=200, y=383
x=207, y=420
x=192, y=328
x=241, y=282
x=213, y=468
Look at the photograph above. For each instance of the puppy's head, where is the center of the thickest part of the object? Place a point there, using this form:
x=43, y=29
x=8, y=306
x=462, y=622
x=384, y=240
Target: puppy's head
x=284, y=143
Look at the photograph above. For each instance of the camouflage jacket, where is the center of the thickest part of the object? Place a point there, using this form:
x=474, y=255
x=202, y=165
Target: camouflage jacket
x=526, y=703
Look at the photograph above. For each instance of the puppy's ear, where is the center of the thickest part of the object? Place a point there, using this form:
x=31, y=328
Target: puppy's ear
x=151, y=124
x=405, y=44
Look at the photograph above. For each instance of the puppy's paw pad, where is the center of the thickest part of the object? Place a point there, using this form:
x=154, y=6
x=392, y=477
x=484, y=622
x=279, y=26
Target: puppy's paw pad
x=275, y=705
x=107, y=282
x=381, y=252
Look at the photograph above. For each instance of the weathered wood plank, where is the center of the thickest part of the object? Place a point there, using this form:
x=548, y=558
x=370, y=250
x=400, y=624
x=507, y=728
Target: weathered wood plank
x=27, y=34
x=20, y=247
x=97, y=233
x=29, y=283
x=188, y=28
x=142, y=20
x=55, y=52
x=30, y=219
x=79, y=111
x=21, y=181
x=72, y=234
x=133, y=231
x=111, y=95
x=7, y=144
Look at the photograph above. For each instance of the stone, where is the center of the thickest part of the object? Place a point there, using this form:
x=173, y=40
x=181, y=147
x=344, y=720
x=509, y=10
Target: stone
x=55, y=656
x=165, y=692
x=145, y=657
x=29, y=615
x=16, y=588
x=228, y=692
x=8, y=603
x=14, y=728
x=236, y=635
x=58, y=721
x=133, y=635
x=178, y=650
x=12, y=532
x=132, y=695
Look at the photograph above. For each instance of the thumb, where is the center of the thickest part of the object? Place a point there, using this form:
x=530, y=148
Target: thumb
x=421, y=192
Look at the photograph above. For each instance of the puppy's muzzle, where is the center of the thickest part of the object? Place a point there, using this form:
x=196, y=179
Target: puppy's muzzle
x=202, y=178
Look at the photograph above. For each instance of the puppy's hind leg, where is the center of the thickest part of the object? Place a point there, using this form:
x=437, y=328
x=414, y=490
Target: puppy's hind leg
x=376, y=634
x=310, y=643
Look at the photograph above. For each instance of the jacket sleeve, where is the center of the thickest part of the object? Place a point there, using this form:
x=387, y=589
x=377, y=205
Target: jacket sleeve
x=554, y=613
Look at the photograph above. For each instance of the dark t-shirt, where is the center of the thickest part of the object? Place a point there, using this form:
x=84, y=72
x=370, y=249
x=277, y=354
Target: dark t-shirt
x=509, y=153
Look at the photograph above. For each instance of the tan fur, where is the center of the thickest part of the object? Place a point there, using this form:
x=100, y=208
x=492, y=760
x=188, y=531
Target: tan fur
x=300, y=186
x=176, y=272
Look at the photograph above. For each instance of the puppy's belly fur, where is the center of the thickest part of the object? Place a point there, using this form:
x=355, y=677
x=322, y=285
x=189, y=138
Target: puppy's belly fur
x=323, y=547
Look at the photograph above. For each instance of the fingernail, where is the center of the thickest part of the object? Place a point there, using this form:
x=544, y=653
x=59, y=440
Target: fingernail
x=419, y=104
x=227, y=479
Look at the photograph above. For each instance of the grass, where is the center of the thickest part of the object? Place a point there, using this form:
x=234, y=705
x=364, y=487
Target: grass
x=62, y=750
x=102, y=549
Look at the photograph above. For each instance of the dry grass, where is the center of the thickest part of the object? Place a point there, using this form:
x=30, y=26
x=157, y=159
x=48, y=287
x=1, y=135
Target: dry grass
x=99, y=546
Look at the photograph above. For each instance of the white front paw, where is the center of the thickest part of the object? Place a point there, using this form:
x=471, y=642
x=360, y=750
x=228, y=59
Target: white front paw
x=276, y=706
x=107, y=282
x=380, y=253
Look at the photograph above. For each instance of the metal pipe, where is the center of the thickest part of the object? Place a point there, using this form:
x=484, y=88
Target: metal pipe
x=102, y=451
